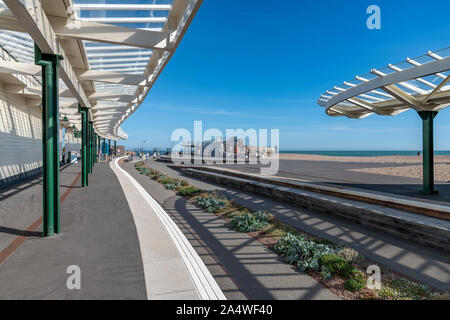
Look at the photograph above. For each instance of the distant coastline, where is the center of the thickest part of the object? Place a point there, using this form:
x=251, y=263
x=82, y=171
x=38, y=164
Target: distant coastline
x=362, y=153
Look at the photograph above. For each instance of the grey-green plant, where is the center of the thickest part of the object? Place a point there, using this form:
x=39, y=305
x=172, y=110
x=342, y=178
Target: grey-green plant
x=249, y=222
x=303, y=253
x=173, y=185
x=212, y=204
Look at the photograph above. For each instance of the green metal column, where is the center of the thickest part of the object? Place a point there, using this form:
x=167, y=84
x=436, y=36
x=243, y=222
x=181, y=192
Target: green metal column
x=115, y=148
x=50, y=140
x=94, y=139
x=99, y=147
x=93, y=147
x=109, y=148
x=428, y=151
x=90, y=146
x=84, y=142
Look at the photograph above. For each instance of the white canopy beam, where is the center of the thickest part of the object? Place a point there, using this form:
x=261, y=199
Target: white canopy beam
x=403, y=96
x=110, y=96
x=395, y=77
x=436, y=90
x=107, y=33
x=113, y=77
x=364, y=104
x=19, y=68
x=8, y=21
x=35, y=22
x=124, y=7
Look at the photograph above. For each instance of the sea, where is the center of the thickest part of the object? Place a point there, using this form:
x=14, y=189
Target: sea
x=364, y=153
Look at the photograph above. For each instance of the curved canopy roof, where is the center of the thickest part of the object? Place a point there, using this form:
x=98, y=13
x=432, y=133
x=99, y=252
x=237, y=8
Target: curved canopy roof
x=421, y=84
x=114, y=50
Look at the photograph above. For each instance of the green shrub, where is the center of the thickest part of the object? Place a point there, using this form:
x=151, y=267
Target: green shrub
x=250, y=222
x=233, y=214
x=184, y=183
x=188, y=191
x=159, y=177
x=165, y=180
x=173, y=185
x=337, y=265
x=323, y=241
x=325, y=273
x=404, y=289
x=212, y=204
x=356, y=281
x=303, y=253
x=143, y=170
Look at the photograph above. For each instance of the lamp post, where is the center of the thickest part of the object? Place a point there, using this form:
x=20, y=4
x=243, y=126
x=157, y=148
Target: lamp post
x=142, y=148
x=50, y=140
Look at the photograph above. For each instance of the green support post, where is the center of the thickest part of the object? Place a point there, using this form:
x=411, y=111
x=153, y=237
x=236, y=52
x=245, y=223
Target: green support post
x=95, y=148
x=115, y=148
x=90, y=146
x=109, y=148
x=50, y=140
x=99, y=146
x=84, y=142
x=428, y=151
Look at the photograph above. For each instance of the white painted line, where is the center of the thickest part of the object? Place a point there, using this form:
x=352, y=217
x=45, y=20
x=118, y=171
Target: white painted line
x=204, y=282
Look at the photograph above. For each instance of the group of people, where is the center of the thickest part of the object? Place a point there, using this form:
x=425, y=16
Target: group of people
x=66, y=158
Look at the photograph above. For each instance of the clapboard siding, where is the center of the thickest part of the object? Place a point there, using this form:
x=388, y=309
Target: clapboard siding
x=20, y=139
x=72, y=143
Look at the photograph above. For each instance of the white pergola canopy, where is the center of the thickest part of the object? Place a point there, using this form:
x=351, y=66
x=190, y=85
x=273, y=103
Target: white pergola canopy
x=113, y=52
x=421, y=84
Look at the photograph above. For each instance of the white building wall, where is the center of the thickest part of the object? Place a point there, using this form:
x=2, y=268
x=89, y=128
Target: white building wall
x=20, y=136
x=72, y=144
x=21, y=129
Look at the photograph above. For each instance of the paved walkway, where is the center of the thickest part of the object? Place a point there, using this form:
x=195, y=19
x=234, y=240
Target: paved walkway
x=172, y=268
x=415, y=261
x=123, y=242
x=98, y=235
x=243, y=267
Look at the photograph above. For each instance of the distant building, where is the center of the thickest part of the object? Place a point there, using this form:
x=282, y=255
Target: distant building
x=120, y=151
x=253, y=151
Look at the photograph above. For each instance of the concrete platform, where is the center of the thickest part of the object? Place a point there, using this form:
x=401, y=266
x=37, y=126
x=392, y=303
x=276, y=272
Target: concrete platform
x=418, y=228
x=98, y=235
x=243, y=267
x=125, y=246
x=172, y=268
x=415, y=261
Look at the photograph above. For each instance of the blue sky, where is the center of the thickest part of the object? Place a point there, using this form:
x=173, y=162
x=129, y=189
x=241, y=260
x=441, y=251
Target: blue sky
x=264, y=63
